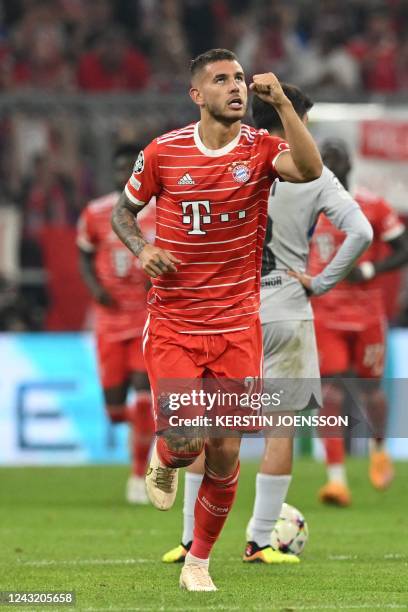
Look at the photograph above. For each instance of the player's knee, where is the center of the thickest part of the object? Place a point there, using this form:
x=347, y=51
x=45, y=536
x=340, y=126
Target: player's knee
x=187, y=448
x=224, y=452
x=332, y=395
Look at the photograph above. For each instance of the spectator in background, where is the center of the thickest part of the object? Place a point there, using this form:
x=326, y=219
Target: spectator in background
x=45, y=67
x=113, y=65
x=200, y=26
x=47, y=199
x=169, y=47
x=377, y=52
x=272, y=43
x=402, y=65
x=327, y=65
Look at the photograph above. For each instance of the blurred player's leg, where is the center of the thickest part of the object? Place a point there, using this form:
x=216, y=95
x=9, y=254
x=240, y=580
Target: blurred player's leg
x=370, y=358
x=116, y=361
x=381, y=470
x=142, y=423
x=336, y=490
x=335, y=359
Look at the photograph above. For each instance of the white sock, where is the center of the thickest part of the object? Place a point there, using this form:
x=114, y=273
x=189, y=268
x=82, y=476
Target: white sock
x=336, y=472
x=191, y=485
x=192, y=560
x=270, y=494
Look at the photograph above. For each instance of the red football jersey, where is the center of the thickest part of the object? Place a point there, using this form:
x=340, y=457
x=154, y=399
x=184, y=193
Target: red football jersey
x=211, y=213
x=350, y=305
x=116, y=268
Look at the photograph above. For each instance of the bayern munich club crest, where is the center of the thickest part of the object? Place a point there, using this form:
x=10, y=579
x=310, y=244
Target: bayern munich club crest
x=240, y=171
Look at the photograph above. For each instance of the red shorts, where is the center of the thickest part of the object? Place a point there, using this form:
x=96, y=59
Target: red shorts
x=361, y=351
x=118, y=358
x=192, y=357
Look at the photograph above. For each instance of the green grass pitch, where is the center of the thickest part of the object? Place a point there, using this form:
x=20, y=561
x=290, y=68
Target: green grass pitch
x=70, y=529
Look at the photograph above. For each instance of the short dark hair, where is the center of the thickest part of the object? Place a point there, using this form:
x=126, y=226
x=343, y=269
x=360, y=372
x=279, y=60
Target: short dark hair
x=265, y=116
x=128, y=149
x=209, y=57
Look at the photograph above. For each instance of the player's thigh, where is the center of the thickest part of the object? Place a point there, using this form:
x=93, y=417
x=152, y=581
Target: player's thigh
x=291, y=364
x=333, y=350
x=170, y=367
x=113, y=372
x=369, y=350
x=242, y=354
x=290, y=350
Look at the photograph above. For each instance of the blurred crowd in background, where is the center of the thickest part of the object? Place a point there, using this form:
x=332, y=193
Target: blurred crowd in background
x=56, y=156
x=129, y=45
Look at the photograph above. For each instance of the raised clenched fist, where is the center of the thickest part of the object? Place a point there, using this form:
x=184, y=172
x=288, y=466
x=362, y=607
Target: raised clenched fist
x=268, y=88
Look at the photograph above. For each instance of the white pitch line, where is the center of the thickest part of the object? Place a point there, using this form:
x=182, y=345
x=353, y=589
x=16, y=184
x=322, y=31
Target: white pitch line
x=296, y=607
x=45, y=562
x=354, y=557
x=346, y=607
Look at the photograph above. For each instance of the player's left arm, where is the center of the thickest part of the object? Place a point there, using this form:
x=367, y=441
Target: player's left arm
x=393, y=232
x=303, y=162
x=345, y=214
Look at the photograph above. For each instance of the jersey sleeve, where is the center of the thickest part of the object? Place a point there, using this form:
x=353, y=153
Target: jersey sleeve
x=144, y=182
x=346, y=215
x=332, y=198
x=273, y=147
x=87, y=238
x=387, y=224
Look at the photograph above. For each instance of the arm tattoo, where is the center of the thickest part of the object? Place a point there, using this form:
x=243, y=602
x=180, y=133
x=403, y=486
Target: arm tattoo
x=124, y=224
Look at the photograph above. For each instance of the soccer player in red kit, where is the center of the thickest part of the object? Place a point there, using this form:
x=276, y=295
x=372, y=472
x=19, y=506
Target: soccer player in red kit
x=212, y=181
x=351, y=323
x=119, y=288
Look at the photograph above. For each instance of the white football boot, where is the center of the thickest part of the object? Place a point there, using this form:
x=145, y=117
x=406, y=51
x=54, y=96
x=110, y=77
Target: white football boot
x=161, y=483
x=195, y=577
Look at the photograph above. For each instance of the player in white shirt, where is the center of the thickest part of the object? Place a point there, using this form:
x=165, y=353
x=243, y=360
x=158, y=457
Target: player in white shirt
x=290, y=350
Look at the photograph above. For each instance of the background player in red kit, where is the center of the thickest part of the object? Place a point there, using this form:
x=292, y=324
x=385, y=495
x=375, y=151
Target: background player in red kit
x=351, y=323
x=119, y=288
x=212, y=181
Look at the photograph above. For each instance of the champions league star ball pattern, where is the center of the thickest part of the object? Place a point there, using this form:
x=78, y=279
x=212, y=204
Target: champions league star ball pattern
x=291, y=532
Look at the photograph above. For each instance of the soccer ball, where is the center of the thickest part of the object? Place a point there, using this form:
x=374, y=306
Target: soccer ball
x=291, y=532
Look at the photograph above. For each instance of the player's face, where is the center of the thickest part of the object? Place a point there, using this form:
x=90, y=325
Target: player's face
x=220, y=89
x=123, y=168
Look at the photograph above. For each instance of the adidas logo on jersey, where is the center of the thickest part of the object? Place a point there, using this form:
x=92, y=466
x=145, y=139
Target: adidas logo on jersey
x=186, y=180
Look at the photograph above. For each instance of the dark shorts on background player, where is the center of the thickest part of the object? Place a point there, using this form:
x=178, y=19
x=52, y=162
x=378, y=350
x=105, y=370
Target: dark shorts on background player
x=206, y=359
x=118, y=358
x=361, y=350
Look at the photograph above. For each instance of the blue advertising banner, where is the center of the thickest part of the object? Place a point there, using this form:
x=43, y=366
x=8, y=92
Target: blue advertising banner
x=51, y=406
x=51, y=409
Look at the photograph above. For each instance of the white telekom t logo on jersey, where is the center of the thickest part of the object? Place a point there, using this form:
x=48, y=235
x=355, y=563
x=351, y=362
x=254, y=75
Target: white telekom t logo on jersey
x=197, y=217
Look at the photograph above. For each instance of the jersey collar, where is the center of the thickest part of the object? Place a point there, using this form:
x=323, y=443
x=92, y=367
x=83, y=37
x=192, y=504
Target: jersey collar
x=214, y=152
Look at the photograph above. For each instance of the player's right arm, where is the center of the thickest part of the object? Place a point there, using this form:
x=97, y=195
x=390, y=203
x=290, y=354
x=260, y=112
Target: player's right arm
x=140, y=188
x=87, y=244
